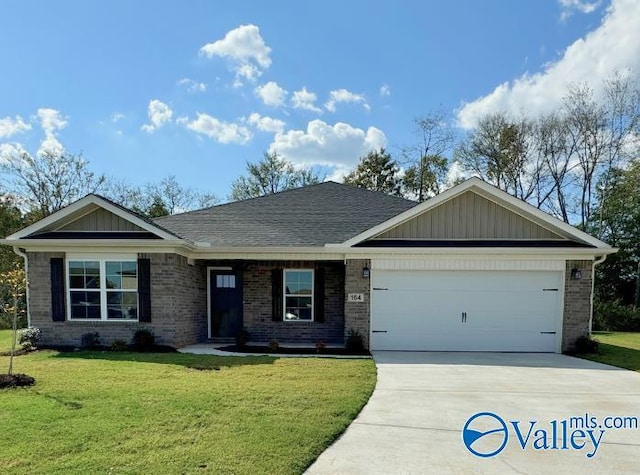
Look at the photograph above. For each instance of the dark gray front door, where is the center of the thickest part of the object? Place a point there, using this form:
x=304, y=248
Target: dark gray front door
x=226, y=303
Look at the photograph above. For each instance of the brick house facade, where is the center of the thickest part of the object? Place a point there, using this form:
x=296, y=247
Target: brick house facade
x=198, y=271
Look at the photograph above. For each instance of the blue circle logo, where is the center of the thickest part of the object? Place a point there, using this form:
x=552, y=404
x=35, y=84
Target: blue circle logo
x=485, y=434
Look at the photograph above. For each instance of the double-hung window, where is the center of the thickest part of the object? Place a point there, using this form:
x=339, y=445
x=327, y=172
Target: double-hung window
x=102, y=289
x=298, y=295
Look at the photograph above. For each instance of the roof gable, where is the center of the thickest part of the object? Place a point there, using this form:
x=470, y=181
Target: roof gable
x=513, y=218
x=95, y=216
x=469, y=215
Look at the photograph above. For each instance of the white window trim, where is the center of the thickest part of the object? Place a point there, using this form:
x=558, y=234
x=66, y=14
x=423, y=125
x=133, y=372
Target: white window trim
x=102, y=260
x=284, y=295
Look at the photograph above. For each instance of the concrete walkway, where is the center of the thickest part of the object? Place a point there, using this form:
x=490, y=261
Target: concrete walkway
x=413, y=422
x=214, y=349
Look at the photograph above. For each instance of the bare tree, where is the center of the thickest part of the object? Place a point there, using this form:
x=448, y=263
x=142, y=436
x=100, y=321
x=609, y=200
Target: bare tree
x=425, y=163
x=50, y=180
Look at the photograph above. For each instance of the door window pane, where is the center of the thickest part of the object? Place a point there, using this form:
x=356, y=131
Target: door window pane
x=226, y=281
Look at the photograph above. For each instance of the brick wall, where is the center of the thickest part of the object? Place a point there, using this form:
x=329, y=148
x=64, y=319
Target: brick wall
x=356, y=314
x=178, y=304
x=577, y=304
x=257, y=309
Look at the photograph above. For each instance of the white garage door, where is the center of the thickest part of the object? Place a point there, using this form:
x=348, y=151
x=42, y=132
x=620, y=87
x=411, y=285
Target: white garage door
x=465, y=310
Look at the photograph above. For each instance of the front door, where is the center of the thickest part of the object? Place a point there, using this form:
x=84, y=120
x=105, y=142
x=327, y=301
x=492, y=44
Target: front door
x=225, y=293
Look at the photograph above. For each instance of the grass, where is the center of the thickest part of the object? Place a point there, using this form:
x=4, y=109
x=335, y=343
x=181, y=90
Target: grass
x=5, y=341
x=617, y=349
x=102, y=412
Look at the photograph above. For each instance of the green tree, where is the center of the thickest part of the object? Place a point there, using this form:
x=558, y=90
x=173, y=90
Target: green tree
x=271, y=175
x=425, y=178
x=376, y=171
x=616, y=219
x=11, y=220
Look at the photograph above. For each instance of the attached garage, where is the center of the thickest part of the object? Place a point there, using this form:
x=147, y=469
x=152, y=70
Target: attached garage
x=461, y=310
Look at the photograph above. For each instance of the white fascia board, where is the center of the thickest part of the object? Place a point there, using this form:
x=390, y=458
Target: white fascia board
x=497, y=252
x=101, y=246
x=515, y=205
x=78, y=206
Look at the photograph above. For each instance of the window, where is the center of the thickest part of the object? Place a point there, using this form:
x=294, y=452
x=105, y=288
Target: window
x=298, y=295
x=102, y=289
x=226, y=281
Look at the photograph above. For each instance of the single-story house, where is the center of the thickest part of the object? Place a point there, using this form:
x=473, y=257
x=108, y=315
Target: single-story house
x=472, y=269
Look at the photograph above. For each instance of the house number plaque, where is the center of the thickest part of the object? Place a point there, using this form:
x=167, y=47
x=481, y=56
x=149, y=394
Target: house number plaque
x=355, y=298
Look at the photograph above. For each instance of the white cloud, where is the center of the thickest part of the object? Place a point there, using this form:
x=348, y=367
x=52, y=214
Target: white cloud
x=344, y=96
x=271, y=94
x=11, y=151
x=9, y=126
x=51, y=121
x=339, y=145
x=266, y=124
x=582, y=6
x=246, y=50
x=304, y=99
x=192, y=86
x=117, y=117
x=614, y=45
x=220, y=131
x=159, y=114
x=385, y=90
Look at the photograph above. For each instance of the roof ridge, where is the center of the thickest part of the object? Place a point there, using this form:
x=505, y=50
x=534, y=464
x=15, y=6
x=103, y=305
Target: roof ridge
x=281, y=192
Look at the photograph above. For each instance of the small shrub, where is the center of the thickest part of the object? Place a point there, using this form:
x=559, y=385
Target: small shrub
x=614, y=316
x=585, y=344
x=320, y=346
x=29, y=338
x=90, y=341
x=144, y=340
x=119, y=345
x=274, y=345
x=242, y=338
x=354, y=341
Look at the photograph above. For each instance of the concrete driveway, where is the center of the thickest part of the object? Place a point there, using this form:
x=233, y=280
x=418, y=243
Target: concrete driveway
x=413, y=422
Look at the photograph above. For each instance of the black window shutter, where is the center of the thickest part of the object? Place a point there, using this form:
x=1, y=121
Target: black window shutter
x=276, y=295
x=144, y=290
x=57, y=289
x=318, y=295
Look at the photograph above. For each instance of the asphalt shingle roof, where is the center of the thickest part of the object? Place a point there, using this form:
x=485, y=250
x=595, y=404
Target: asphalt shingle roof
x=310, y=216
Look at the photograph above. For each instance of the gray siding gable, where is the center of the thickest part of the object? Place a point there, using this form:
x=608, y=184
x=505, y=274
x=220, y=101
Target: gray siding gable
x=469, y=216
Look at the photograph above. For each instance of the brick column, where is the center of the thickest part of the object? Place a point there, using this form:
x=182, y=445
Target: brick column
x=577, y=304
x=357, y=314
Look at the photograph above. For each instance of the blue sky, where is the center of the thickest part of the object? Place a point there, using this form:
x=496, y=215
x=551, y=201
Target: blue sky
x=195, y=89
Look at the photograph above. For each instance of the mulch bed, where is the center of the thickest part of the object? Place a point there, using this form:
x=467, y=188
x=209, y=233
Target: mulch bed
x=15, y=381
x=293, y=351
x=18, y=352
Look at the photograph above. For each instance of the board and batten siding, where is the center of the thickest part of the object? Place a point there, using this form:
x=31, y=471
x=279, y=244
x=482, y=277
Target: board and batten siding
x=469, y=216
x=100, y=220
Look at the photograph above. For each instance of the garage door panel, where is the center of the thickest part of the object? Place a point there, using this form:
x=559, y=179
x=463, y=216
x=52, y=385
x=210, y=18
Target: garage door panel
x=465, y=311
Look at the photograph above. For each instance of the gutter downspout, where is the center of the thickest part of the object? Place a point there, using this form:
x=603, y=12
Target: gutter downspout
x=596, y=261
x=22, y=254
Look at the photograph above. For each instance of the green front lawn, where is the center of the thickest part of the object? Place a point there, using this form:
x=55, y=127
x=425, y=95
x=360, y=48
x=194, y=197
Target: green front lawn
x=101, y=412
x=617, y=349
x=5, y=342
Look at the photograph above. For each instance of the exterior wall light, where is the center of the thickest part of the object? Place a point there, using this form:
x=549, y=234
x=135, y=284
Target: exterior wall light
x=576, y=274
x=366, y=272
